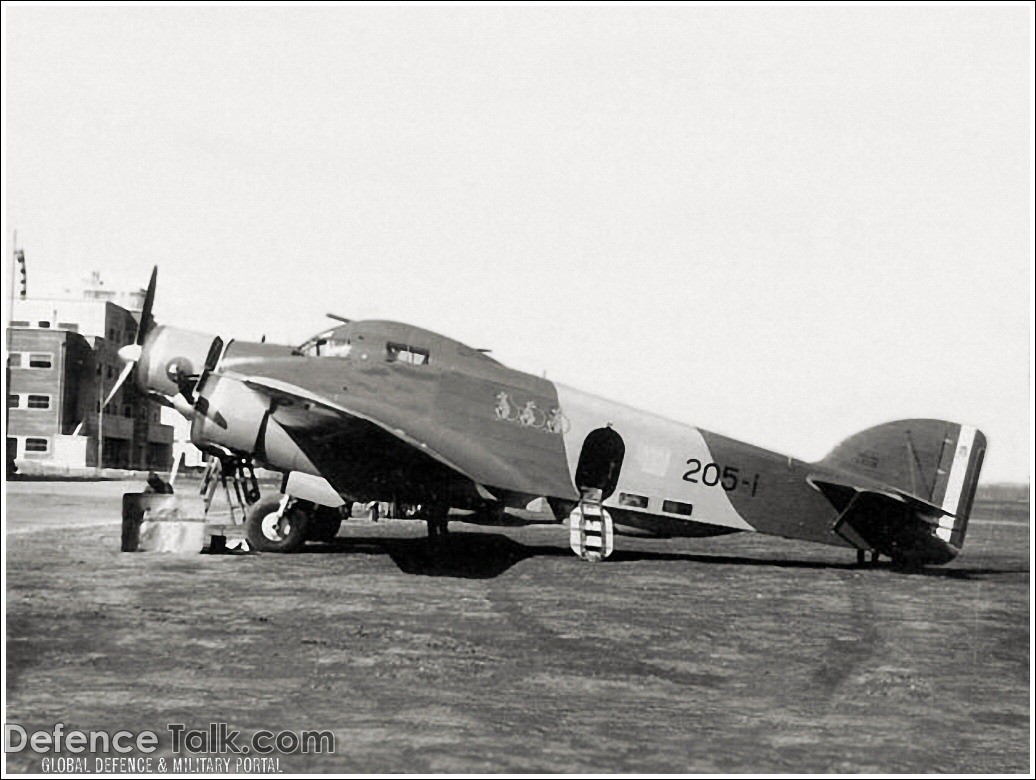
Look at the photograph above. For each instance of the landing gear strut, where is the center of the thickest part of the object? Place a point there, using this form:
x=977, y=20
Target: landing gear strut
x=437, y=515
x=438, y=527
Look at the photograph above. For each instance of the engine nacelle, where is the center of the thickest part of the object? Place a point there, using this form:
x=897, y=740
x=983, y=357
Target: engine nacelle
x=230, y=415
x=171, y=352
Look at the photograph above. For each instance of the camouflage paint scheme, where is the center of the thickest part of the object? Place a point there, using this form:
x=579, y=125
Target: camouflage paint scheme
x=389, y=411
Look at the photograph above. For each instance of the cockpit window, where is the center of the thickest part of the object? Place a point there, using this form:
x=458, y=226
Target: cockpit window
x=337, y=348
x=326, y=345
x=402, y=353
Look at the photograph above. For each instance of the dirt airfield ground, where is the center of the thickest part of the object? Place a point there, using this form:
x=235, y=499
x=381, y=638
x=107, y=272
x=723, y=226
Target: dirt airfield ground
x=505, y=653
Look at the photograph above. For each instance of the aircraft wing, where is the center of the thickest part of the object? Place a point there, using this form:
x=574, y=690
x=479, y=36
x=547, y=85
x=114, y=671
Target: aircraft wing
x=300, y=409
x=322, y=424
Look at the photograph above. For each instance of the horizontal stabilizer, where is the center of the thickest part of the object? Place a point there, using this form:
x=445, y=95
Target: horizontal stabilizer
x=875, y=521
x=904, y=488
x=837, y=488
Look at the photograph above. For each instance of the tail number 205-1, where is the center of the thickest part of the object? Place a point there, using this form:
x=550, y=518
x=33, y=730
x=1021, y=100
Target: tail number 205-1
x=711, y=474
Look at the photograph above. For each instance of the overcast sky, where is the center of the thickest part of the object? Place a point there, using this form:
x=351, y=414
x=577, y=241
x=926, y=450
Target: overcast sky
x=782, y=224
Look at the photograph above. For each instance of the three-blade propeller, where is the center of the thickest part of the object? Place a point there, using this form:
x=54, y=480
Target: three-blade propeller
x=130, y=354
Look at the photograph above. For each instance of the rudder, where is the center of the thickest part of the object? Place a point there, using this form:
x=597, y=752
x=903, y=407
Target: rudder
x=957, y=481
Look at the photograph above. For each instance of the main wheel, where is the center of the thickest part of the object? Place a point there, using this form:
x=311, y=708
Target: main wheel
x=268, y=529
x=323, y=526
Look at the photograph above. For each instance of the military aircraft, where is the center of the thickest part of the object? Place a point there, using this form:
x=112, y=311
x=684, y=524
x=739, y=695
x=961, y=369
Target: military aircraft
x=382, y=411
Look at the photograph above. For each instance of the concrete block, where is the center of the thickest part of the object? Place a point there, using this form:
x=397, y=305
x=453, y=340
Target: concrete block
x=155, y=522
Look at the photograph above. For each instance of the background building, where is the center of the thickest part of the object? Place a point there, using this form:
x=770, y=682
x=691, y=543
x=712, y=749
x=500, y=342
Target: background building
x=63, y=360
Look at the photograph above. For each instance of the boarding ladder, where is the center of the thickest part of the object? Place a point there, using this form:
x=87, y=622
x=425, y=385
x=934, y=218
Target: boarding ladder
x=591, y=533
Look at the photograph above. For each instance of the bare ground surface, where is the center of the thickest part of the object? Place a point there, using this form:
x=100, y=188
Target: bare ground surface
x=506, y=653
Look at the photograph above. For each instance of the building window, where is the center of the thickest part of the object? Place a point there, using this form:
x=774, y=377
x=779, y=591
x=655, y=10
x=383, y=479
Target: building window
x=72, y=326
x=111, y=334
x=677, y=508
x=41, y=360
x=19, y=323
x=13, y=401
x=110, y=374
x=39, y=401
x=36, y=444
x=14, y=360
x=44, y=323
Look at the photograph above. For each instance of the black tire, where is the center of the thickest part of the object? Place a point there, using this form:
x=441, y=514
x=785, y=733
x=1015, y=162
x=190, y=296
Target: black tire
x=324, y=527
x=269, y=534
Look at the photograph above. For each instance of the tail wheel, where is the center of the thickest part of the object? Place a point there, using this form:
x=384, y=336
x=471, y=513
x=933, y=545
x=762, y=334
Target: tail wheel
x=277, y=524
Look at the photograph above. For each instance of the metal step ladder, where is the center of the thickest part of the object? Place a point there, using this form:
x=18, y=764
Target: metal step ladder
x=242, y=478
x=591, y=532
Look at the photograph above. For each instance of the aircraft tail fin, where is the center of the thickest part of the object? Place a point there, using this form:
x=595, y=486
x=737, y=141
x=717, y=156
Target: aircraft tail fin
x=935, y=461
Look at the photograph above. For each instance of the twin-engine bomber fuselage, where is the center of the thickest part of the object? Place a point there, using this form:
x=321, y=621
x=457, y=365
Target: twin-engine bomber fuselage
x=381, y=411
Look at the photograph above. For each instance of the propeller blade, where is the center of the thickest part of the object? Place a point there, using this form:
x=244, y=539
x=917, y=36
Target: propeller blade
x=146, y=320
x=160, y=399
x=178, y=455
x=184, y=405
x=119, y=382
